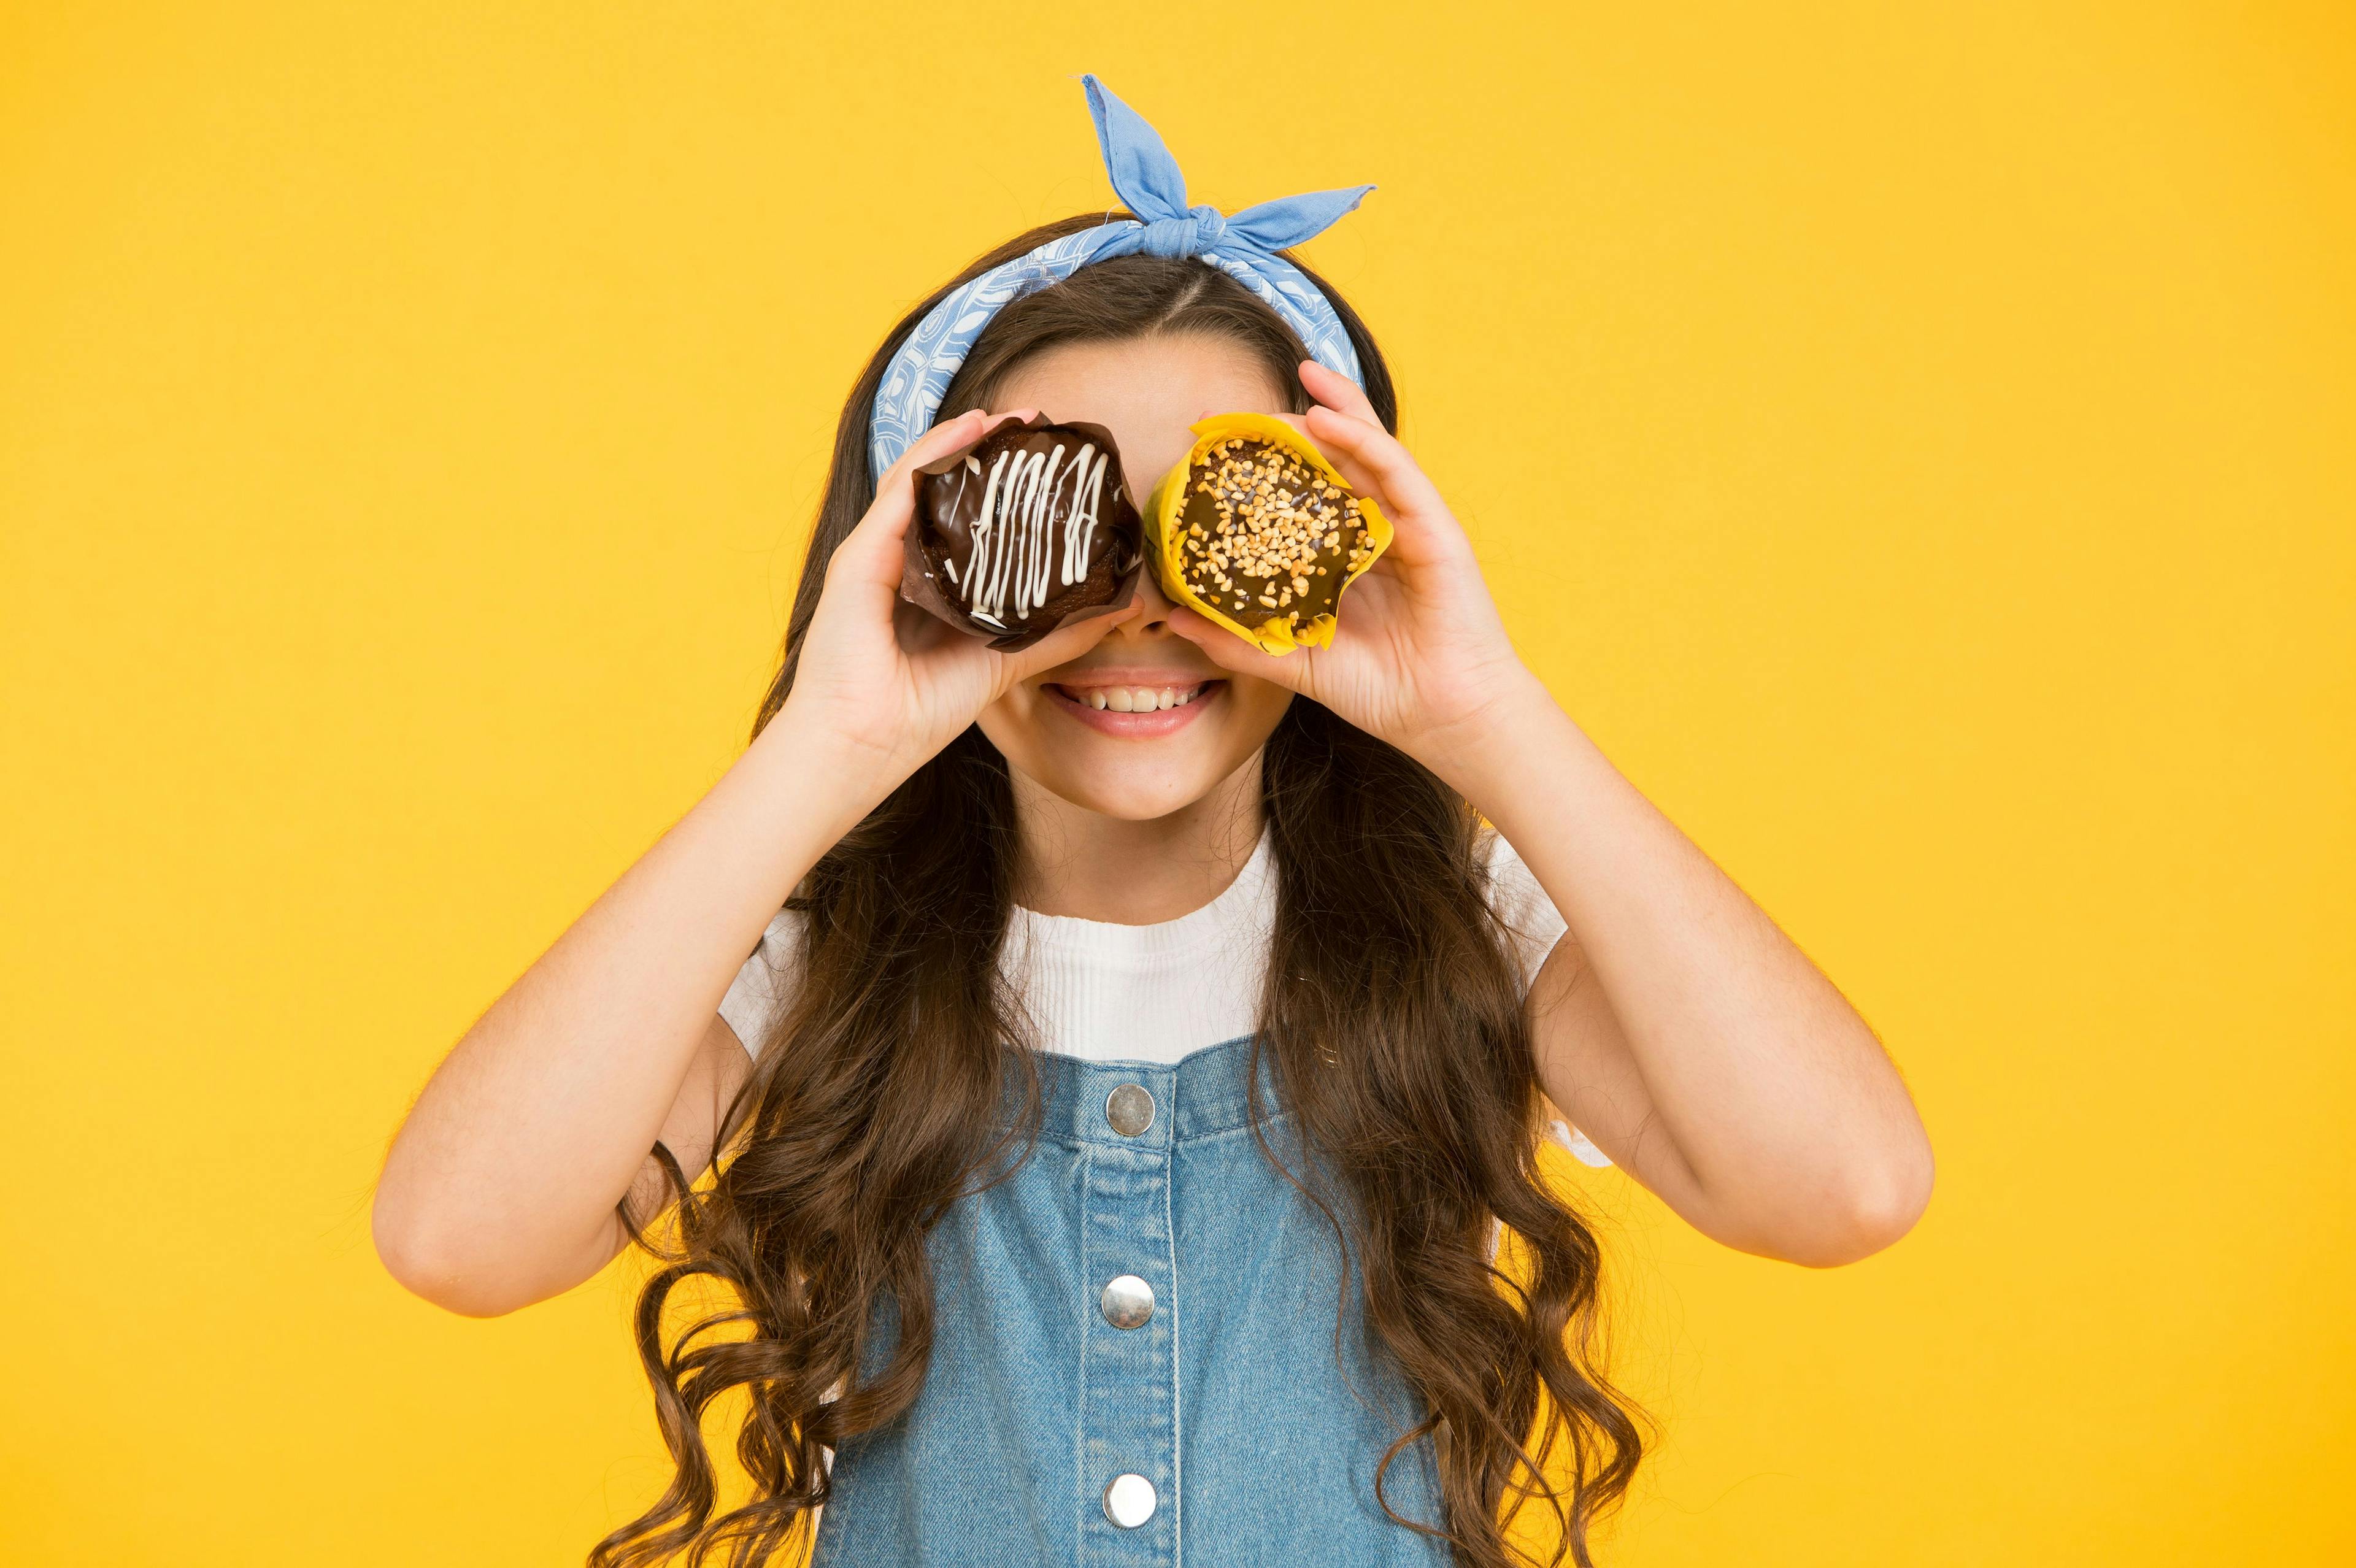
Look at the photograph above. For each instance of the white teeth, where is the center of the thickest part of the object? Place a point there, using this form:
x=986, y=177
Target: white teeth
x=1139, y=698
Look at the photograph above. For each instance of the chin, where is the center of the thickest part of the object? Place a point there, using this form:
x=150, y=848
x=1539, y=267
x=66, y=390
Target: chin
x=1144, y=799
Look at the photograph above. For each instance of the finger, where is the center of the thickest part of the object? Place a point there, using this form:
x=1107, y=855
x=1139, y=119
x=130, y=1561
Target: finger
x=1353, y=472
x=950, y=436
x=1236, y=655
x=944, y=440
x=1062, y=644
x=1337, y=391
x=1377, y=452
x=873, y=548
x=1363, y=482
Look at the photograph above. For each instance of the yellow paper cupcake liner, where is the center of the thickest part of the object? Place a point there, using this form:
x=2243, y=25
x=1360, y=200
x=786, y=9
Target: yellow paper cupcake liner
x=1165, y=533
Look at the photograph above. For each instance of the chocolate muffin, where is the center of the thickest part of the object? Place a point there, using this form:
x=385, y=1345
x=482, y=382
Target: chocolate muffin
x=1259, y=533
x=1031, y=527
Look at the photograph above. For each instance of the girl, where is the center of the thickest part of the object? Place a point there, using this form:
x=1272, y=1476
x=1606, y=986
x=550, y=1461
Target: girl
x=1145, y=1040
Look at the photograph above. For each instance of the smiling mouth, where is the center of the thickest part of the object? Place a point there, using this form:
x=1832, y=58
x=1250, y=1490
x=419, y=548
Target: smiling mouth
x=1131, y=698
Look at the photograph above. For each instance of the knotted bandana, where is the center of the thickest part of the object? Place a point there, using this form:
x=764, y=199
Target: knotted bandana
x=1146, y=178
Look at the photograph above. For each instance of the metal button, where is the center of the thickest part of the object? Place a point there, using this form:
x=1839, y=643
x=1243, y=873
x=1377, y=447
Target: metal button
x=1127, y=1302
x=1130, y=1109
x=1129, y=1502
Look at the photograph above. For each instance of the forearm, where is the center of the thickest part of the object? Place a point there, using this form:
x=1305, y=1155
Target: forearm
x=1780, y=1104
x=535, y=1125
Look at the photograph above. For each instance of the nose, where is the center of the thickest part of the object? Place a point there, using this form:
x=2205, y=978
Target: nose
x=1154, y=605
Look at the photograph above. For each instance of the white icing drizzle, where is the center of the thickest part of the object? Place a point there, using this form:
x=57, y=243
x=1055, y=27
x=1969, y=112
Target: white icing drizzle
x=1017, y=558
x=984, y=525
x=1080, y=530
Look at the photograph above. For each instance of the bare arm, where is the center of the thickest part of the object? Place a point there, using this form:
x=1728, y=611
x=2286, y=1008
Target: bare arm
x=1691, y=1039
x=500, y=1187
x=1674, y=1023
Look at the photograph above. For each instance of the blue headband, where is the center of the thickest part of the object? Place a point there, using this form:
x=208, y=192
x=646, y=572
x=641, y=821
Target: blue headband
x=1147, y=179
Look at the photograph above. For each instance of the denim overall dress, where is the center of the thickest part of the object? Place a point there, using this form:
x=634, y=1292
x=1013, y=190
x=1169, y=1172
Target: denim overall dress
x=1135, y=1362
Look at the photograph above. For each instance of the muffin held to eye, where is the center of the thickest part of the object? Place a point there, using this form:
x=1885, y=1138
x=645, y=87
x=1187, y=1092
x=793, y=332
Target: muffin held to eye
x=1257, y=532
x=1027, y=529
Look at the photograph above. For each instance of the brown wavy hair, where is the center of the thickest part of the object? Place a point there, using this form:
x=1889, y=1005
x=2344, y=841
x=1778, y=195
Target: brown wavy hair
x=1392, y=1015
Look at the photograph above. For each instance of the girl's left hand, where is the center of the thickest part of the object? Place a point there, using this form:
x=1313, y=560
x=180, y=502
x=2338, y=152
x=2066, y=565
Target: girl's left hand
x=1419, y=656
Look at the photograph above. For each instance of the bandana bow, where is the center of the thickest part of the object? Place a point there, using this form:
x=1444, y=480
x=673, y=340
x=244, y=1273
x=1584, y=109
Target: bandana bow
x=1148, y=181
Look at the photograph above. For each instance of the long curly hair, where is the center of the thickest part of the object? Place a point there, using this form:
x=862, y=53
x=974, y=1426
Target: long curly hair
x=1392, y=1014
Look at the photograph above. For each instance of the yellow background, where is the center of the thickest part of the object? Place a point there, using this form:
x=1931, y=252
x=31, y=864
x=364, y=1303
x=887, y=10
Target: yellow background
x=1913, y=440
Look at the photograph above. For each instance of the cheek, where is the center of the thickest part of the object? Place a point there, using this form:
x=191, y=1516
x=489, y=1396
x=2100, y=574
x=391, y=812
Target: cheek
x=1257, y=705
x=1011, y=724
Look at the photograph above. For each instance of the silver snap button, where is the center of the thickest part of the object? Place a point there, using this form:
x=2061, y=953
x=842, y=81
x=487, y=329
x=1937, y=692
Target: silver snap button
x=1130, y=1109
x=1126, y=1302
x=1129, y=1502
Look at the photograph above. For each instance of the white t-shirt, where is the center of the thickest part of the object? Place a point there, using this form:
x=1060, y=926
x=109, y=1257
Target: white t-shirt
x=1154, y=993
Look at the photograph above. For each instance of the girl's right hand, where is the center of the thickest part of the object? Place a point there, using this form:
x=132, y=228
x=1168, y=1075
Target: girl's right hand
x=888, y=681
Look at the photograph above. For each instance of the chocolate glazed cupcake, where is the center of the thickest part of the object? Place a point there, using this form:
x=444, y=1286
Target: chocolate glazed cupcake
x=1257, y=532
x=1268, y=535
x=1030, y=529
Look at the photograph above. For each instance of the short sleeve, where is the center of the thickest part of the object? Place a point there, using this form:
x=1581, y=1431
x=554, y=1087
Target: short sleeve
x=1531, y=920
x=764, y=981
x=1534, y=925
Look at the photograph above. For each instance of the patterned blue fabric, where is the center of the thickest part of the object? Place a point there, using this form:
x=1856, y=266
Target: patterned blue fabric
x=1147, y=179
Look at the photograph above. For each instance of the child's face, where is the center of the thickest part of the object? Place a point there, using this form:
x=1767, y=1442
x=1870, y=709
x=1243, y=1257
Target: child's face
x=1152, y=760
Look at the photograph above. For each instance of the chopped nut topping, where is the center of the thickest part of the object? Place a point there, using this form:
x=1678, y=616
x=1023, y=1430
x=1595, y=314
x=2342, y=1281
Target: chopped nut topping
x=1275, y=514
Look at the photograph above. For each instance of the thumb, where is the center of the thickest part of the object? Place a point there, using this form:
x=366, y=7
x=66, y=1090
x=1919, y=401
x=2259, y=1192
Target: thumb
x=873, y=547
x=1238, y=655
x=1061, y=645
